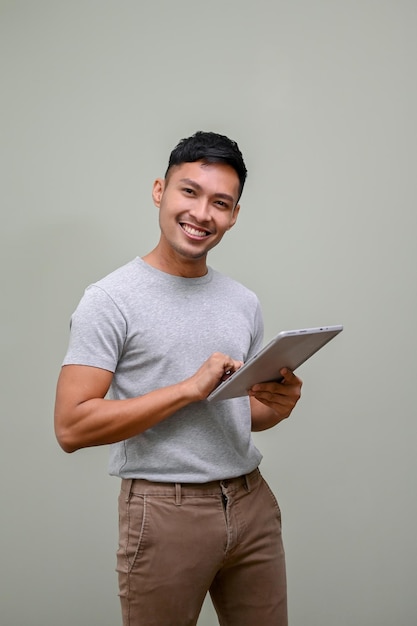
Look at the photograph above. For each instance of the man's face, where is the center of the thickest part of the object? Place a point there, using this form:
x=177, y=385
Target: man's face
x=197, y=205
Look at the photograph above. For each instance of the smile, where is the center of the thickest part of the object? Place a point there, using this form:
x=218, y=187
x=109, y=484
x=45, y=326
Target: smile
x=193, y=231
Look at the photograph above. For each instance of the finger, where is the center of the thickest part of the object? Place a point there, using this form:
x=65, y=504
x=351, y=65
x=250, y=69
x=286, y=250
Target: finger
x=289, y=377
x=270, y=388
x=277, y=392
x=231, y=367
x=265, y=394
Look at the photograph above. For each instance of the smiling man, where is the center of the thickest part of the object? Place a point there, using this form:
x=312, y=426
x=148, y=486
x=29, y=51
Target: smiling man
x=148, y=344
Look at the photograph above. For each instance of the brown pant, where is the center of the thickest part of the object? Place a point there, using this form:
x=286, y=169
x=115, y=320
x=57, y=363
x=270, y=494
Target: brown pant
x=178, y=541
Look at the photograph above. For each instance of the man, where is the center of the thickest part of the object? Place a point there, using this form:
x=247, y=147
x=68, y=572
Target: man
x=148, y=344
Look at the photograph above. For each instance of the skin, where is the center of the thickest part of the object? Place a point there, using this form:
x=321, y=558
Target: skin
x=197, y=205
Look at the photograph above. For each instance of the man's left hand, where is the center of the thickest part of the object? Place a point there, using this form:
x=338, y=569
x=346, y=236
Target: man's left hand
x=281, y=397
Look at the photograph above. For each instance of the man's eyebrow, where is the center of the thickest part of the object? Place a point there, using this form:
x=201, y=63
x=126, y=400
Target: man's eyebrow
x=193, y=183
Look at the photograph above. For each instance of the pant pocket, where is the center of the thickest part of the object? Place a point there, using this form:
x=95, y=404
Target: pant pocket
x=273, y=499
x=132, y=531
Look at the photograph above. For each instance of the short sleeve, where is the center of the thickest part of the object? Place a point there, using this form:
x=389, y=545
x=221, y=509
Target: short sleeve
x=97, y=331
x=258, y=332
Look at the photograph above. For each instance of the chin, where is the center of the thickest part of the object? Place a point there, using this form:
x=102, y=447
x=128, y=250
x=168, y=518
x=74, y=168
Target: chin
x=187, y=252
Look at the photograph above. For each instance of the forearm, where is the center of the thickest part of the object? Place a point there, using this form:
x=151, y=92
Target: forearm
x=84, y=417
x=100, y=421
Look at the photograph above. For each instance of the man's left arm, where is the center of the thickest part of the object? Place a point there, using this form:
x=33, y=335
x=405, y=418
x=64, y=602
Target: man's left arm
x=273, y=402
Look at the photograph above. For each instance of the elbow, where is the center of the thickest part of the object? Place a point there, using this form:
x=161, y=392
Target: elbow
x=66, y=442
x=66, y=439
x=67, y=447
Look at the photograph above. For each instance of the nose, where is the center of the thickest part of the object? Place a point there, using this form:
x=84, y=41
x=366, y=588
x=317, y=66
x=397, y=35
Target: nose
x=200, y=210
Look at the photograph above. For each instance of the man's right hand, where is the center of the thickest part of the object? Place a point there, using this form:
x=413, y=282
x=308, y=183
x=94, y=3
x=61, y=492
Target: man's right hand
x=217, y=368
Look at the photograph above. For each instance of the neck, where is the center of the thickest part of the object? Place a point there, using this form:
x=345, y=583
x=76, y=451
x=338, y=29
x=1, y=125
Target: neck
x=175, y=265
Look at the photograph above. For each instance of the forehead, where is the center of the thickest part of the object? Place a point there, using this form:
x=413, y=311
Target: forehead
x=212, y=177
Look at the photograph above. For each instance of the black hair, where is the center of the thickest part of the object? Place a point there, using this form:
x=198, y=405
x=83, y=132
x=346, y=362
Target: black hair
x=210, y=148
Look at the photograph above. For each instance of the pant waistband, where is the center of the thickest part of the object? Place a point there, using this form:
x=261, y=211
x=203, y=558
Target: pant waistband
x=142, y=487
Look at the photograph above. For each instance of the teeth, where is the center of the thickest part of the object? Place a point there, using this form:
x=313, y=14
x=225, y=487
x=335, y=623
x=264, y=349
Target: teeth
x=194, y=231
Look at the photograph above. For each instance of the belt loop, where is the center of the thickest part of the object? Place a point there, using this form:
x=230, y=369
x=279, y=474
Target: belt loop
x=178, y=494
x=128, y=490
x=247, y=483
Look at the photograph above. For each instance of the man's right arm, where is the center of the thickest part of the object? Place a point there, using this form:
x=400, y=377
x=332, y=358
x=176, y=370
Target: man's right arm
x=84, y=417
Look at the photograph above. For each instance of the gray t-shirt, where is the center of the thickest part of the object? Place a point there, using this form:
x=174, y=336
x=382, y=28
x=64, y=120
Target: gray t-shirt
x=153, y=329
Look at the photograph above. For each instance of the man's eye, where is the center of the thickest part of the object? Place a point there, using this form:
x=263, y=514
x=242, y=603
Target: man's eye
x=188, y=190
x=221, y=204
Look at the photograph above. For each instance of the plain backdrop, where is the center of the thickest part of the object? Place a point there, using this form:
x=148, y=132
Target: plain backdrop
x=321, y=96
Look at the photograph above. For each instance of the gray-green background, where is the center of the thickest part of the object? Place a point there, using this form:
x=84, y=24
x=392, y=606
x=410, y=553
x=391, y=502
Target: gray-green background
x=321, y=96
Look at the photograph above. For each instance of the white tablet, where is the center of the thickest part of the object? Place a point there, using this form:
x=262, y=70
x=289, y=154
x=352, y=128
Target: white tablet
x=290, y=348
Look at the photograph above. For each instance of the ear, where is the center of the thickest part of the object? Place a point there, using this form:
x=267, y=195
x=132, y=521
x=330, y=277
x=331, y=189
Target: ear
x=157, y=191
x=234, y=215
